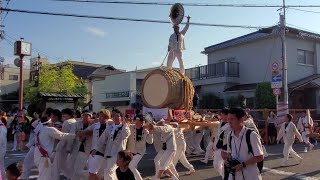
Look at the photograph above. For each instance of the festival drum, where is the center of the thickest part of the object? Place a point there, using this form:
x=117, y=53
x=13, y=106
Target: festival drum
x=167, y=89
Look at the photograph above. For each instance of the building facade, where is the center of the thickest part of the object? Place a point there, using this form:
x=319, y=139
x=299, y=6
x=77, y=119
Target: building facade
x=235, y=67
x=121, y=91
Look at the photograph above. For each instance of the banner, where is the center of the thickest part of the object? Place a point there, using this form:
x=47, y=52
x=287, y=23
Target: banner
x=156, y=113
x=180, y=115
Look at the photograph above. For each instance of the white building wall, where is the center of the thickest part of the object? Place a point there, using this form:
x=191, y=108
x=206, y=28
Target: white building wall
x=298, y=71
x=253, y=57
x=114, y=83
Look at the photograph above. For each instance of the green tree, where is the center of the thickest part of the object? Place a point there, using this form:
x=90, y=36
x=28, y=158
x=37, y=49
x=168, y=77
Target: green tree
x=236, y=101
x=55, y=79
x=211, y=101
x=264, y=97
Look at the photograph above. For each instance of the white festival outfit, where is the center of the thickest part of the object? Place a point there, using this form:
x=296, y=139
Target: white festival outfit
x=113, y=142
x=63, y=150
x=80, y=154
x=176, y=46
x=304, y=129
x=220, y=144
x=3, y=148
x=197, y=138
x=181, y=149
x=288, y=132
x=28, y=161
x=137, y=145
x=167, y=148
x=97, y=162
x=211, y=139
x=239, y=150
x=45, y=140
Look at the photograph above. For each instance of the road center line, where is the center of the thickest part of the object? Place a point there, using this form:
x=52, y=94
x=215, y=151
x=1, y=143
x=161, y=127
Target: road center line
x=294, y=175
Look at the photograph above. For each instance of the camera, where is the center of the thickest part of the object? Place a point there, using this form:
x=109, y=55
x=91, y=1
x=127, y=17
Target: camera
x=232, y=163
x=164, y=146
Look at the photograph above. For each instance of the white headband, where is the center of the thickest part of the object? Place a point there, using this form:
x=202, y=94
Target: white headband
x=47, y=122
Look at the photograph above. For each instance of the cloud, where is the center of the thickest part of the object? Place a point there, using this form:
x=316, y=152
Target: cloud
x=155, y=63
x=95, y=31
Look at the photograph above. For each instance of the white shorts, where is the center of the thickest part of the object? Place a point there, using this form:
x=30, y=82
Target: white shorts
x=95, y=163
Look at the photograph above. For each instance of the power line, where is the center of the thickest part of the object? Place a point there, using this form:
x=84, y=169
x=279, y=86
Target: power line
x=302, y=10
x=125, y=19
x=185, y=4
x=7, y=11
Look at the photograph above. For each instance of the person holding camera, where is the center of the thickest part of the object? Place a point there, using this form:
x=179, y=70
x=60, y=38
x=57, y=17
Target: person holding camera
x=166, y=147
x=244, y=149
x=288, y=132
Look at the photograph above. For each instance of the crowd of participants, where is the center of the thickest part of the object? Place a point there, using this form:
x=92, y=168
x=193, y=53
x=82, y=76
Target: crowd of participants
x=108, y=145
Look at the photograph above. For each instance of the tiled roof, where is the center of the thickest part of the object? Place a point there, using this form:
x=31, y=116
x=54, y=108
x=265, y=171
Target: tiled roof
x=303, y=81
x=242, y=87
x=262, y=33
x=63, y=95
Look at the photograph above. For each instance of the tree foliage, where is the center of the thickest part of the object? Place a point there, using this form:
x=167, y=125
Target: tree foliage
x=264, y=97
x=211, y=101
x=236, y=101
x=55, y=79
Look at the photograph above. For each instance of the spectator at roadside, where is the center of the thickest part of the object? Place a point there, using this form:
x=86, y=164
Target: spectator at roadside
x=123, y=172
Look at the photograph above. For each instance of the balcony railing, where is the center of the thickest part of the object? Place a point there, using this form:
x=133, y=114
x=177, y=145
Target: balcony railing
x=222, y=69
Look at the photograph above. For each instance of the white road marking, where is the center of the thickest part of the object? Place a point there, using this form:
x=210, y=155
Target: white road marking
x=294, y=175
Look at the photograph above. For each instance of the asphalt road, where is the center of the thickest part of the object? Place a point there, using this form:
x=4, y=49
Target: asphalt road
x=309, y=169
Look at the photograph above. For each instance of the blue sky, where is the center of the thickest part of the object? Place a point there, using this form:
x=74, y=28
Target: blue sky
x=126, y=45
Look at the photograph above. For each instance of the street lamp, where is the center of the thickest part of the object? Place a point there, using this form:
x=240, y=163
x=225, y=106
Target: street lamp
x=21, y=49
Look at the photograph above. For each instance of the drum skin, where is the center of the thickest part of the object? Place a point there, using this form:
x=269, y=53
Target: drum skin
x=167, y=89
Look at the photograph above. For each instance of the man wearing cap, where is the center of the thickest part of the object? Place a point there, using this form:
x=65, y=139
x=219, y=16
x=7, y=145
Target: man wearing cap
x=176, y=46
x=181, y=149
x=168, y=147
x=80, y=150
x=137, y=144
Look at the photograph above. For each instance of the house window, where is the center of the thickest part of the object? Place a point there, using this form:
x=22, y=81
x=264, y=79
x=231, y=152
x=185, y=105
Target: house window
x=13, y=77
x=305, y=57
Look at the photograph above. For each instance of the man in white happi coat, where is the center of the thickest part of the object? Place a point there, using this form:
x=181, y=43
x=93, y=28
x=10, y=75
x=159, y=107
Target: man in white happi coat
x=114, y=141
x=164, y=159
x=45, y=139
x=96, y=161
x=305, y=125
x=3, y=148
x=181, y=149
x=176, y=46
x=220, y=142
x=28, y=161
x=137, y=145
x=63, y=148
x=213, y=127
x=80, y=150
x=288, y=132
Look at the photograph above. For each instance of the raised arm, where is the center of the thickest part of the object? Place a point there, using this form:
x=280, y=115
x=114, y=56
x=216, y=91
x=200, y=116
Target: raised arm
x=149, y=137
x=185, y=29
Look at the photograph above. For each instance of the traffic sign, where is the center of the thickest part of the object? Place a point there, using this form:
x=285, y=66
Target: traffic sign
x=276, y=80
x=275, y=66
x=276, y=91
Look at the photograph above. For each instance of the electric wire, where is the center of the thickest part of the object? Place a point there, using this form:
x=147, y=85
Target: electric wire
x=125, y=19
x=184, y=4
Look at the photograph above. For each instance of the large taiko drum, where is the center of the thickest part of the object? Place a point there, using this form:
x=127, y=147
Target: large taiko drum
x=167, y=89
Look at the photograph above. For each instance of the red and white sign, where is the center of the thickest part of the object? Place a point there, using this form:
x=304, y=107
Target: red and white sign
x=276, y=91
x=180, y=115
x=275, y=66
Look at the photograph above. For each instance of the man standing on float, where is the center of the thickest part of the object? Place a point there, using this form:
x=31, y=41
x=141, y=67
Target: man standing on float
x=176, y=46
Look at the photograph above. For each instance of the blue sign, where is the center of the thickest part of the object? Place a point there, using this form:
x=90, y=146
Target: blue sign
x=277, y=78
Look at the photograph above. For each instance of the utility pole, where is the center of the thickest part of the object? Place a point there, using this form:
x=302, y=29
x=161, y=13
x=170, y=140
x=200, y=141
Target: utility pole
x=284, y=104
